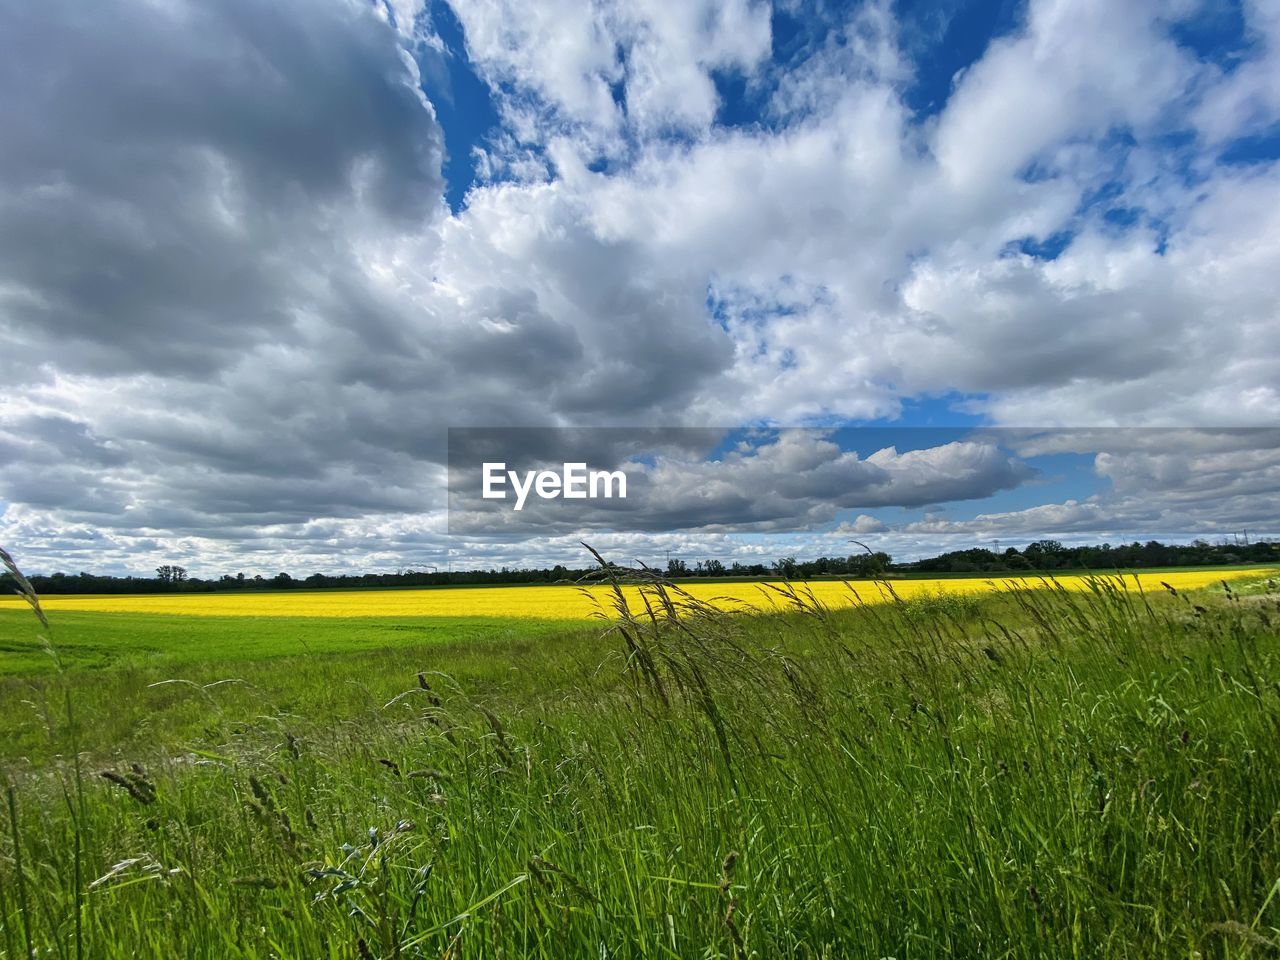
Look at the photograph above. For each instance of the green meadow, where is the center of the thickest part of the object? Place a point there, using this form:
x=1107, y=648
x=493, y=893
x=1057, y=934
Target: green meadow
x=97, y=640
x=1035, y=773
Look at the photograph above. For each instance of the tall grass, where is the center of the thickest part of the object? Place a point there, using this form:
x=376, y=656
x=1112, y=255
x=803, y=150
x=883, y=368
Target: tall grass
x=1040, y=774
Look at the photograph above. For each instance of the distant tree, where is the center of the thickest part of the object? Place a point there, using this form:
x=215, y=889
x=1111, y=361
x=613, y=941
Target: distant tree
x=171, y=574
x=1041, y=555
x=868, y=564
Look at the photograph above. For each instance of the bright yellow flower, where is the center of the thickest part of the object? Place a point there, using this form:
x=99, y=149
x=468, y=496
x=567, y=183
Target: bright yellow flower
x=560, y=602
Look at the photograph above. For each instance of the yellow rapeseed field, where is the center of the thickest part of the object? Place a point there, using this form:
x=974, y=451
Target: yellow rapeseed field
x=558, y=602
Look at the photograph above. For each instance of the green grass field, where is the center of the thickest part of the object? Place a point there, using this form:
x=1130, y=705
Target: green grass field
x=117, y=640
x=1037, y=774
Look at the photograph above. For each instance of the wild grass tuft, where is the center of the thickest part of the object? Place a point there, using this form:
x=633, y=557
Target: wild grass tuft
x=1037, y=773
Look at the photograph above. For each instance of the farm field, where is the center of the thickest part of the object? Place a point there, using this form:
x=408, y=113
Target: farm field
x=1074, y=769
x=156, y=631
x=101, y=631
x=561, y=601
x=100, y=639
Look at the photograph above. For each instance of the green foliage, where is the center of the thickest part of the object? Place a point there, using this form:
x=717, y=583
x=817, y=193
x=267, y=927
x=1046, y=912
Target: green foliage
x=1038, y=774
x=1040, y=555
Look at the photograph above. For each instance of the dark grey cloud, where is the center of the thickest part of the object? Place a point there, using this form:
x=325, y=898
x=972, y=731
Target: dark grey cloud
x=179, y=179
x=47, y=440
x=220, y=255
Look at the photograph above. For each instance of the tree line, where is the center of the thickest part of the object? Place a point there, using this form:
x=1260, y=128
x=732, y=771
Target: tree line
x=1042, y=555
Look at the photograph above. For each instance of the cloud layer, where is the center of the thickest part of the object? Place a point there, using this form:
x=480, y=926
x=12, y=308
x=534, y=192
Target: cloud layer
x=236, y=315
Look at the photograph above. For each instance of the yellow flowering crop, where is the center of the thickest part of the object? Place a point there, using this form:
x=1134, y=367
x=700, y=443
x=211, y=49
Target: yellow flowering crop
x=558, y=602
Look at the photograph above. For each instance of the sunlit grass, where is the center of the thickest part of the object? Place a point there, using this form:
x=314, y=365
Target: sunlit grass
x=1080, y=770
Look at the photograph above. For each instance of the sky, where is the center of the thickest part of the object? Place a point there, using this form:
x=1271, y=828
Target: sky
x=1013, y=268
